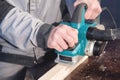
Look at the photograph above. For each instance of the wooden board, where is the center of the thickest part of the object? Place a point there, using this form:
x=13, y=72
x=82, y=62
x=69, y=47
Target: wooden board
x=61, y=71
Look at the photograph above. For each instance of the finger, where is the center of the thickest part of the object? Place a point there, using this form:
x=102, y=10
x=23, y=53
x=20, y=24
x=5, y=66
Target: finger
x=56, y=46
x=96, y=11
x=74, y=34
x=93, y=11
x=62, y=43
x=62, y=32
x=91, y=14
x=69, y=40
x=70, y=36
x=88, y=14
x=52, y=42
x=77, y=2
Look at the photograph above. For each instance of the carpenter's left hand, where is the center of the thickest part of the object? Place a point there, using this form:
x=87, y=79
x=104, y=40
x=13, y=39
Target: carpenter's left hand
x=93, y=10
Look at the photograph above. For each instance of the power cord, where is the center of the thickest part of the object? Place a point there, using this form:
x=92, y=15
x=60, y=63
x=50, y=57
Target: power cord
x=114, y=22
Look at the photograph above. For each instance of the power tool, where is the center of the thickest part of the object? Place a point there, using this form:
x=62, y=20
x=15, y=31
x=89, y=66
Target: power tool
x=84, y=46
x=92, y=41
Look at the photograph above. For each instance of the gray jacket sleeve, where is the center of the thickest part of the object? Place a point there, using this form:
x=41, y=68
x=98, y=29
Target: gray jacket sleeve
x=23, y=30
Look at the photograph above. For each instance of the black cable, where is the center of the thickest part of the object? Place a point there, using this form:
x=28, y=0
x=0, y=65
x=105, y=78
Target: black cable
x=109, y=12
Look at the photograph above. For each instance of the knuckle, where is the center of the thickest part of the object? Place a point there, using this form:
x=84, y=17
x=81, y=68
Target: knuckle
x=65, y=46
x=71, y=41
x=52, y=44
x=55, y=37
x=99, y=10
x=71, y=45
x=60, y=30
x=76, y=31
x=60, y=50
x=93, y=8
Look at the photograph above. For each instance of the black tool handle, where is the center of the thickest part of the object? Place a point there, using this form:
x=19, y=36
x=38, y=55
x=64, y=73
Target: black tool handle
x=77, y=15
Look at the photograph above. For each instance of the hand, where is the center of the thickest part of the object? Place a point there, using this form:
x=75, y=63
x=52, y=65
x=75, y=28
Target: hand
x=62, y=37
x=93, y=10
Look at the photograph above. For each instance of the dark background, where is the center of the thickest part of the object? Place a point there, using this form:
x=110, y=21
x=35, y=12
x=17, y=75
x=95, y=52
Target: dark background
x=114, y=8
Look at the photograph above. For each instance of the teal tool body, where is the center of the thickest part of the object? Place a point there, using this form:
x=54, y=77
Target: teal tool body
x=82, y=28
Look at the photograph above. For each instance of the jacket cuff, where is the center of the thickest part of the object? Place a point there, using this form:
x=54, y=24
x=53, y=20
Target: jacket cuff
x=43, y=34
x=5, y=7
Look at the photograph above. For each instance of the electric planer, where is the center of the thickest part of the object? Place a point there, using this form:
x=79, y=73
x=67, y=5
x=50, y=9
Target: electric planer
x=84, y=46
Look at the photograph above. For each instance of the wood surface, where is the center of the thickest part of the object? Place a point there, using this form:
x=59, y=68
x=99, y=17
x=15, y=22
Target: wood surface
x=61, y=71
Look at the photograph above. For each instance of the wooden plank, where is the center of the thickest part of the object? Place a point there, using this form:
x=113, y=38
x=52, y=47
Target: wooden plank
x=61, y=71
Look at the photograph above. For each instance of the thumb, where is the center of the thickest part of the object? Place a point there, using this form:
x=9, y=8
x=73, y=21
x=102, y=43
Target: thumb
x=77, y=2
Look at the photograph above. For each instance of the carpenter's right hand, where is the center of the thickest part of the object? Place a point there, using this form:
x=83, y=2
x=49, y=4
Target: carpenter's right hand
x=93, y=10
x=62, y=37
